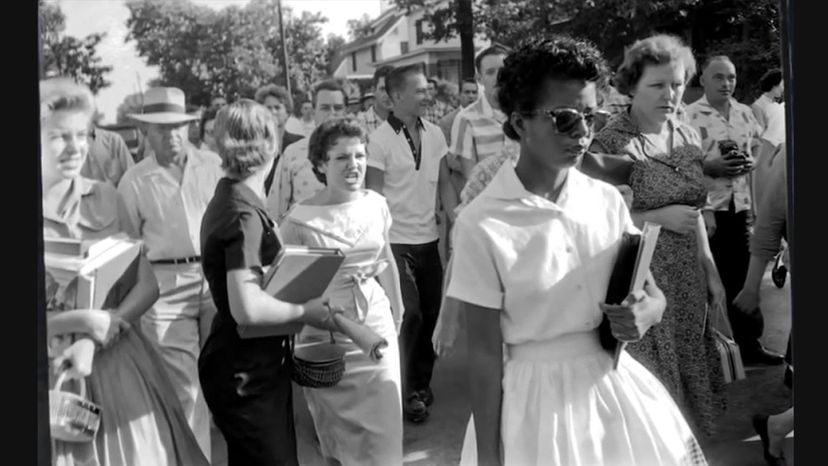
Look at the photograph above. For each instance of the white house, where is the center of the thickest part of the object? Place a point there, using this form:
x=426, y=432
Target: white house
x=397, y=38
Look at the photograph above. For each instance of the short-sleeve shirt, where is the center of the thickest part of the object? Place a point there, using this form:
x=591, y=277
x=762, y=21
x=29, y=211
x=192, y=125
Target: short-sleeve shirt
x=80, y=209
x=236, y=233
x=771, y=117
x=740, y=126
x=477, y=132
x=411, y=190
x=109, y=157
x=162, y=212
x=545, y=265
x=293, y=182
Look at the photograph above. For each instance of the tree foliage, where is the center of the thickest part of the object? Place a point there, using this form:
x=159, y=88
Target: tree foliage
x=359, y=28
x=230, y=52
x=63, y=55
x=747, y=30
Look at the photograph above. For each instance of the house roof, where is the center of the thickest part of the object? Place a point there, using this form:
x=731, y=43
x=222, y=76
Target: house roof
x=372, y=38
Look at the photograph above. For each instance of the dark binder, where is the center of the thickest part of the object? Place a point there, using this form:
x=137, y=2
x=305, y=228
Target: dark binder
x=619, y=285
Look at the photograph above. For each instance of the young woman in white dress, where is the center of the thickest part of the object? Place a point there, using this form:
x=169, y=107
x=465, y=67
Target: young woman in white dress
x=533, y=254
x=358, y=421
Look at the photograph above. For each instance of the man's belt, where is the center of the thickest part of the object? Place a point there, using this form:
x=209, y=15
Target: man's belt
x=183, y=260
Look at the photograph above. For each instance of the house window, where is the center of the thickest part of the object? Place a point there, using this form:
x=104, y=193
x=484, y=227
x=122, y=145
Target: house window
x=373, y=53
x=403, y=47
x=419, y=27
x=353, y=61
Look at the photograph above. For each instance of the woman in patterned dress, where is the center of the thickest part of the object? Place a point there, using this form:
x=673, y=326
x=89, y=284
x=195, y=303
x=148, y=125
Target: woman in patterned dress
x=665, y=174
x=359, y=421
x=142, y=422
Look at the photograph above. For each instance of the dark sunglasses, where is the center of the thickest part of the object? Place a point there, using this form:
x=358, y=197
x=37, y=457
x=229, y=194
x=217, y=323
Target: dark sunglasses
x=566, y=119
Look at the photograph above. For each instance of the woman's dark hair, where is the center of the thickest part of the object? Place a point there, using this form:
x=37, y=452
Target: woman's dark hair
x=209, y=114
x=326, y=136
x=536, y=60
x=659, y=49
x=770, y=80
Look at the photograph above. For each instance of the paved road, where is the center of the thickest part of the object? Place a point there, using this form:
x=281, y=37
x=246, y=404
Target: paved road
x=438, y=441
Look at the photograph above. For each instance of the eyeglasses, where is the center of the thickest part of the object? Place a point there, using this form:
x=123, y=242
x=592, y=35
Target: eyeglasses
x=566, y=119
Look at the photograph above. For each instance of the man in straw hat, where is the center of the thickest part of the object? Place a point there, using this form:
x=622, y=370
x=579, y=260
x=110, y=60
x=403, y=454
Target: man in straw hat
x=163, y=199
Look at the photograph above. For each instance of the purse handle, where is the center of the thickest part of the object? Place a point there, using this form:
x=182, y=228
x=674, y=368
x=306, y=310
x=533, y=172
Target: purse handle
x=62, y=379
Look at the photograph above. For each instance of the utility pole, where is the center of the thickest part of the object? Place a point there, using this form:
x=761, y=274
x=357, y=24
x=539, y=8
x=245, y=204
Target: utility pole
x=285, y=62
x=465, y=23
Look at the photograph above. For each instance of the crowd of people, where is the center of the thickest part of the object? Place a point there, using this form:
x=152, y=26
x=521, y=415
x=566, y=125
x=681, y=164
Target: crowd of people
x=530, y=182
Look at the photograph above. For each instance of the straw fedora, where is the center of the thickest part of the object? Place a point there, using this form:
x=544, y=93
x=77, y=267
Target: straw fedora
x=164, y=105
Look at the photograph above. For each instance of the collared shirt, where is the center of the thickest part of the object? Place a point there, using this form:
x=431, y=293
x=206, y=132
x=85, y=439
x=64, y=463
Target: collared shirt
x=477, y=132
x=436, y=110
x=162, y=212
x=411, y=191
x=740, y=126
x=109, y=157
x=80, y=208
x=546, y=265
x=771, y=117
x=299, y=126
x=294, y=181
x=370, y=119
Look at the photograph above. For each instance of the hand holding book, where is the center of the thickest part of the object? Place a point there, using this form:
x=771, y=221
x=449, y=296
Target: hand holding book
x=642, y=309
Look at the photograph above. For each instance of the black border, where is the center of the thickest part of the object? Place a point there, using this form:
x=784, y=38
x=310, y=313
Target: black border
x=803, y=52
x=25, y=388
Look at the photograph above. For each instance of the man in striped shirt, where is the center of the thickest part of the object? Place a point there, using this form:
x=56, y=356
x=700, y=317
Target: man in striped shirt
x=477, y=132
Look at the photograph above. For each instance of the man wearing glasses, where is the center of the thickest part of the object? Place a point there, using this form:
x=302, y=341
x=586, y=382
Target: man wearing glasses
x=294, y=180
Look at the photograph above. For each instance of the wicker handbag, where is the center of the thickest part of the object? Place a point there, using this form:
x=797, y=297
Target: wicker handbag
x=318, y=366
x=72, y=418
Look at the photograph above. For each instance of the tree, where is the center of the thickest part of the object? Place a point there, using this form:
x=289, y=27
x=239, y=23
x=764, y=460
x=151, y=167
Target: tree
x=231, y=52
x=359, y=28
x=68, y=56
x=746, y=30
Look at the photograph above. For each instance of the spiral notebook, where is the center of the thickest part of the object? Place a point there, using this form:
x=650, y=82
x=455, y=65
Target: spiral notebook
x=298, y=274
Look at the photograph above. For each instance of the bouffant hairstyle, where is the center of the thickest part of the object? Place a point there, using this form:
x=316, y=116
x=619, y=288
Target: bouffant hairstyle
x=63, y=94
x=272, y=90
x=659, y=49
x=770, y=80
x=536, y=60
x=326, y=136
x=246, y=136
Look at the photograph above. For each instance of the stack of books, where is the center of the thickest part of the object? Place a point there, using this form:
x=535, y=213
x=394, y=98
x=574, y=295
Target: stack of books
x=92, y=274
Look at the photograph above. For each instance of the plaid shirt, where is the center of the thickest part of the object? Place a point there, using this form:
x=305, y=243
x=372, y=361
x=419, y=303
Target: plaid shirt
x=740, y=126
x=436, y=110
x=370, y=119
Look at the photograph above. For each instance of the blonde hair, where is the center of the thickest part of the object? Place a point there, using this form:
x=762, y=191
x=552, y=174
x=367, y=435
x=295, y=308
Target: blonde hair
x=659, y=49
x=64, y=94
x=246, y=136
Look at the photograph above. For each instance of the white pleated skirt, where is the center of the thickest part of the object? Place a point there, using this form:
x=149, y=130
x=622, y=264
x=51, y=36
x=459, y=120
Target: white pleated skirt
x=564, y=405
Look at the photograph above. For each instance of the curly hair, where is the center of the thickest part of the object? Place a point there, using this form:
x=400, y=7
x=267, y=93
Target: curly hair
x=64, y=94
x=535, y=60
x=246, y=136
x=278, y=92
x=659, y=49
x=326, y=136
